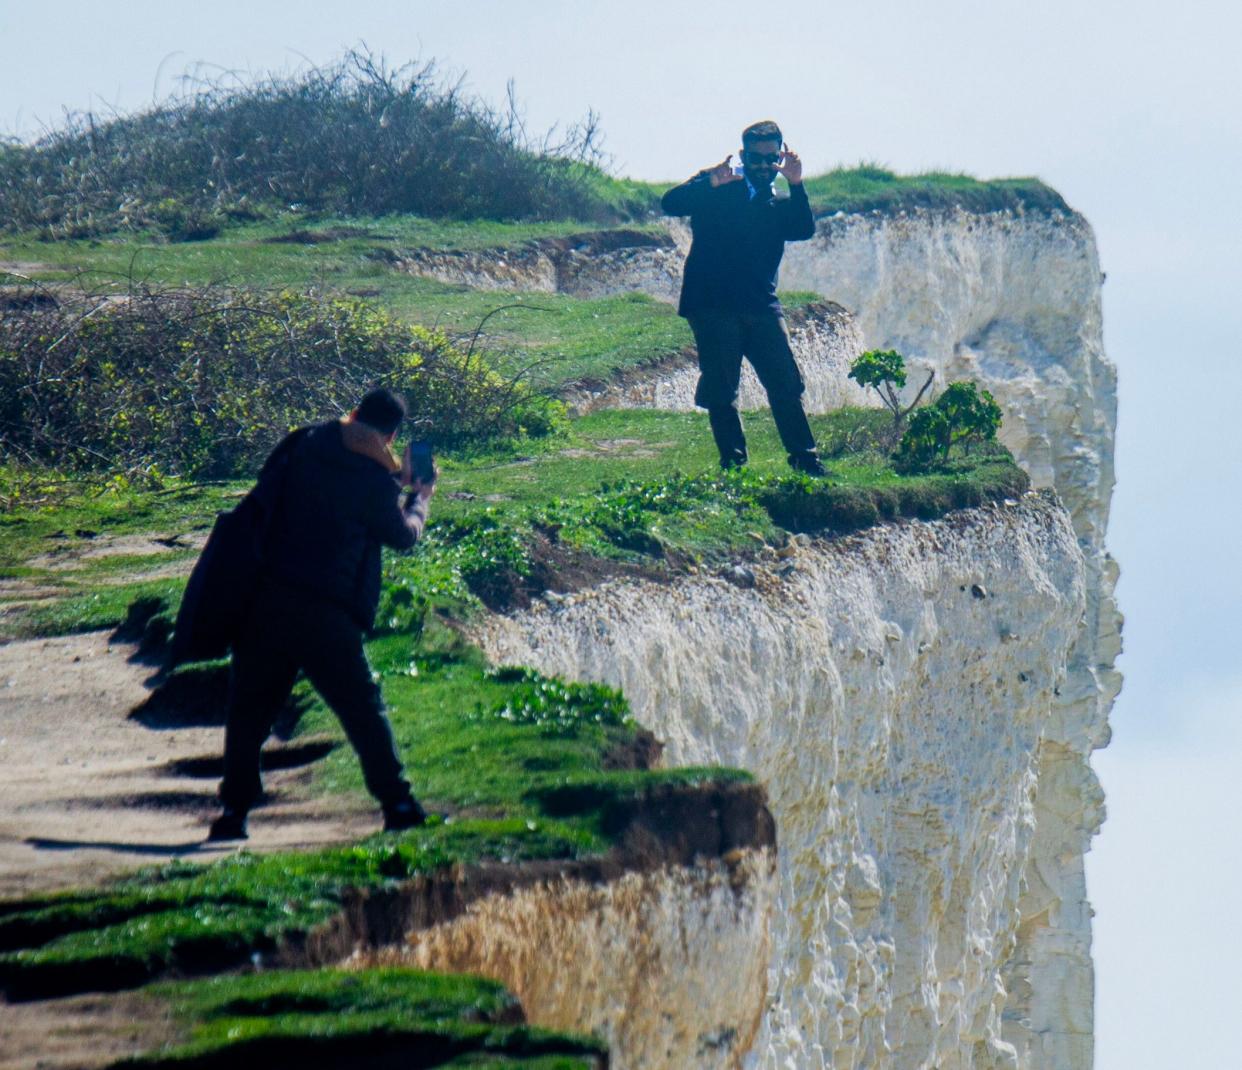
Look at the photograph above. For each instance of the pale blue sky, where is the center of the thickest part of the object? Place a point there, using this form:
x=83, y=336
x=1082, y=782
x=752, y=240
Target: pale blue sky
x=1128, y=109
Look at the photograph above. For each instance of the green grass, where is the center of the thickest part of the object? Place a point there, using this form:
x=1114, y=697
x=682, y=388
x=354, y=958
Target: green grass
x=522, y=761
x=633, y=486
x=871, y=188
x=353, y=248
x=868, y=188
x=90, y=512
x=435, y=1020
x=96, y=592
x=188, y=917
x=558, y=338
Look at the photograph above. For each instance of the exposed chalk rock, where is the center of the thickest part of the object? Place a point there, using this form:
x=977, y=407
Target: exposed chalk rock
x=899, y=735
x=592, y=264
x=670, y=966
x=1012, y=301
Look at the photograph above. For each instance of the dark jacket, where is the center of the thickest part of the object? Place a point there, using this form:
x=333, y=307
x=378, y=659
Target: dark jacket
x=337, y=508
x=738, y=243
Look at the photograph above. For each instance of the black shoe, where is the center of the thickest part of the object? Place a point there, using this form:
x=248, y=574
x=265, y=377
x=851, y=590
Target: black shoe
x=406, y=814
x=230, y=825
x=809, y=465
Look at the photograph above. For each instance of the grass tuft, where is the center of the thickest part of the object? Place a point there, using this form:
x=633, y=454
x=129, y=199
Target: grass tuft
x=347, y=1018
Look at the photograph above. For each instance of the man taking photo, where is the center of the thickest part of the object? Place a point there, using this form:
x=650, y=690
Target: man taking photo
x=337, y=500
x=728, y=292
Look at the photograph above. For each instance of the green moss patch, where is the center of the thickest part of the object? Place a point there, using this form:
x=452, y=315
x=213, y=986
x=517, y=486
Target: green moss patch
x=338, y=1018
x=868, y=188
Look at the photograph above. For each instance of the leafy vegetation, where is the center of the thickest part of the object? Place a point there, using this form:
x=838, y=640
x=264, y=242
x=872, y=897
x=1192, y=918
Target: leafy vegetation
x=963, y=415
x=885, y=372
x=354, y=137
x=617, y=489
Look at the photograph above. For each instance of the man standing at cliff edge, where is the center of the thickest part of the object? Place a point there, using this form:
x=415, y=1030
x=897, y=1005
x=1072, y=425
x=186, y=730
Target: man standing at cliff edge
x=728, y=293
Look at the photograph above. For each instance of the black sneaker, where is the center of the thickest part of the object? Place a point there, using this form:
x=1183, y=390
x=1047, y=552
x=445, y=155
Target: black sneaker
x=809, y=465
x=230, y=825
x=406, y=814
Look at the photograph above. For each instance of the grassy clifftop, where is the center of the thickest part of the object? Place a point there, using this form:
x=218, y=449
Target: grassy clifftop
x=363, y=138
x=124, y=231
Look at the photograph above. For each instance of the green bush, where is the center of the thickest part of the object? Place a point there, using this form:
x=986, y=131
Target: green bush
x=963, y=415
x=885, y=372
x=204, y=382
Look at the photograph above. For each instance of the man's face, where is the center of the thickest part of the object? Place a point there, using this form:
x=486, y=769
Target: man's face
x=759, y=159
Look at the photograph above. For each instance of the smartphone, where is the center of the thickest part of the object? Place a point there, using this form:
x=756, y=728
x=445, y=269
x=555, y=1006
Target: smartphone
x=422, y=463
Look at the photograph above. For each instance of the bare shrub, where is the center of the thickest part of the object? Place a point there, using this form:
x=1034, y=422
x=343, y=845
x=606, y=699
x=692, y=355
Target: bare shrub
x=202, y=382
x=354, y=137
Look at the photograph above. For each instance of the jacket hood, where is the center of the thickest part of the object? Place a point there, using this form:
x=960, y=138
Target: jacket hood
x=346, y=441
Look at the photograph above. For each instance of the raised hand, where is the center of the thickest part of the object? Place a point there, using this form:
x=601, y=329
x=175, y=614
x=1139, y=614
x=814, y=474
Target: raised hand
x=423, y=489
x=790, y=166
x=722, y=174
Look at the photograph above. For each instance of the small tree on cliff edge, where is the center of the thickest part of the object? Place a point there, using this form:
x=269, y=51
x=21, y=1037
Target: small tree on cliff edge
x=885, y=371
x=962, y=414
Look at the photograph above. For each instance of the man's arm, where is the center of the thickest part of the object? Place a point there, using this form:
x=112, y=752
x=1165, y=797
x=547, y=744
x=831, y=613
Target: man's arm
x=692, y=194
x=797, y=222
x=399, y=523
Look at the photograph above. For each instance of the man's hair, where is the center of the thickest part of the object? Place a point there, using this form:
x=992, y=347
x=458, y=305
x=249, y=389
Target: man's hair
x=764, y=130
x=382, y=410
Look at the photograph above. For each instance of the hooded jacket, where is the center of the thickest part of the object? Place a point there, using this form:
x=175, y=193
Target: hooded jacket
x=340, y=502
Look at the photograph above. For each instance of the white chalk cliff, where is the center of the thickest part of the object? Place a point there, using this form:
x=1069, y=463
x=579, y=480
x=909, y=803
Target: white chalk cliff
x=921, y=699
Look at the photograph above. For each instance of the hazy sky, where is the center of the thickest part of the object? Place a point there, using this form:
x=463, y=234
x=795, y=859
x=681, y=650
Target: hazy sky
x=1128, y=109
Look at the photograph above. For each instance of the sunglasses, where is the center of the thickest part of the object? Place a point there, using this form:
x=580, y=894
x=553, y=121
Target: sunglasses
x=772, y=158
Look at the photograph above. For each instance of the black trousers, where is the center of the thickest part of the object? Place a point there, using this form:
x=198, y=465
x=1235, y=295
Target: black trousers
x=287, y=632
x=723, y=339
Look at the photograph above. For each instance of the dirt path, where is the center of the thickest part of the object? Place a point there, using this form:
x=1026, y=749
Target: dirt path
x=87, y=792
x=80, y=1033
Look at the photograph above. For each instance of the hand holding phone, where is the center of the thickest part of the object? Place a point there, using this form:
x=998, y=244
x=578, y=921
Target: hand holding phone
x=418, y=465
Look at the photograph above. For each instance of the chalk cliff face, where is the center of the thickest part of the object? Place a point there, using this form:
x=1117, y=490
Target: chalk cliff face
x=891, y=690
x=1013, y=303
x=926, y=751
